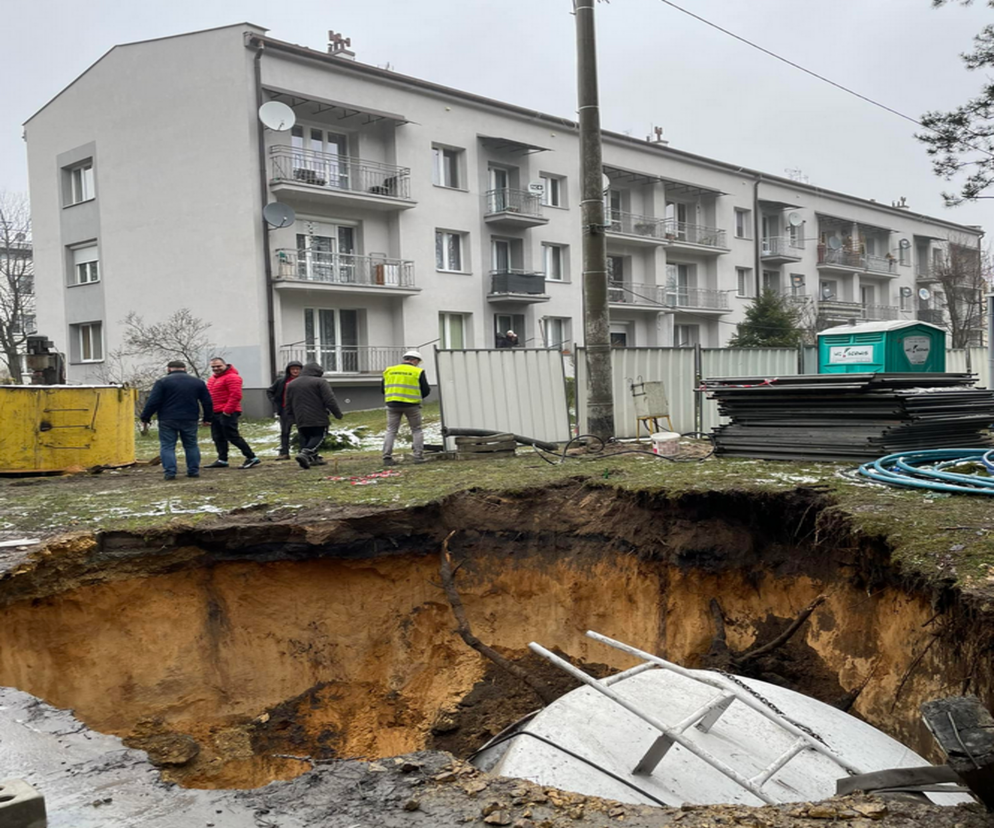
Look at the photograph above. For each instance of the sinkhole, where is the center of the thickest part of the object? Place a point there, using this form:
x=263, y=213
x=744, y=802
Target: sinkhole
x=234, y=653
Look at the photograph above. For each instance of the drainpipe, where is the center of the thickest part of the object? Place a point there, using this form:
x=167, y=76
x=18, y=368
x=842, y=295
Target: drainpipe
x=264, y=194
x=757, y=243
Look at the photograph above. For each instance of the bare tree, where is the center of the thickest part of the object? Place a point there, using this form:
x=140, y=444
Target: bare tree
x=963, y=276
x=16, y=280
x=182, y=336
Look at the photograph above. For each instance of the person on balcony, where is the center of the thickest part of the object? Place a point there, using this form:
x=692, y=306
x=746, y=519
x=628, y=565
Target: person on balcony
x=177, y=399
x=225, y=385
x=404, y=386
x=309, y=401
x=508, y=340
x=277, y=396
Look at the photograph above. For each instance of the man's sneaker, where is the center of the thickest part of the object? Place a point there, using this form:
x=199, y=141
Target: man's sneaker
x=217, y=464
x=389, y=461
x=251, y=463
x=169, y=477
x=304, y=460
x=195, y=474
x=282, y=456
x=318, y=461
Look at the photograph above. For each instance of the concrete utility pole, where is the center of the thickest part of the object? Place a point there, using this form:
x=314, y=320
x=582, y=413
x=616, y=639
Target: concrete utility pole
x=596, y=328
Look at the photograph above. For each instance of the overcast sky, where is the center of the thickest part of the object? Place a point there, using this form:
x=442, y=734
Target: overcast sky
x=711, y=94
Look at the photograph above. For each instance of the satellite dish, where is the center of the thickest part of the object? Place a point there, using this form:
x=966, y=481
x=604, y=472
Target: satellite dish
x=924, y=294
x=278, y=215
x=536, y=187
x=826, y=293
x=906, y=291
x=904, y=244
x=834, y=242
x=277, y=116
x=19, y=237
x=795, y=219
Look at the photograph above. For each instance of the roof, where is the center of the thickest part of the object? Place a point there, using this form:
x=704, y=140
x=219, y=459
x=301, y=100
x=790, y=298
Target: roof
x=876, y=327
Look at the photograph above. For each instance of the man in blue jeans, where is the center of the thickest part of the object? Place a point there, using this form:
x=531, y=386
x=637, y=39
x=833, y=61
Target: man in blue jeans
x=177, y=399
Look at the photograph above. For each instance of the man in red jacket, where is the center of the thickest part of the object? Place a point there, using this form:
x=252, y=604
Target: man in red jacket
x=225, y=386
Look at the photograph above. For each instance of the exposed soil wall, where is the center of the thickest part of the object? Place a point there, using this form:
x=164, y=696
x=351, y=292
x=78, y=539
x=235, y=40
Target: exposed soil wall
x=264, y=642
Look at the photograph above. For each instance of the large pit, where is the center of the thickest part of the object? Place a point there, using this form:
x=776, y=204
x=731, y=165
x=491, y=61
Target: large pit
x=229, y=652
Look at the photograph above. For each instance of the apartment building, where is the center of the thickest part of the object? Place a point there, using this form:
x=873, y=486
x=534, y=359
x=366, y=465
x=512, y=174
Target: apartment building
x=424, y=216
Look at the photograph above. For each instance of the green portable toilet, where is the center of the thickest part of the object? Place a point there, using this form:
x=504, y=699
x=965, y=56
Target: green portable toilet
x=886, y=347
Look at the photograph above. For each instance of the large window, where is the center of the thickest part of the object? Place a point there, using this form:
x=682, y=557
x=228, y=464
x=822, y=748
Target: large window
x=80, y=183
x=85, y=265
x=552, y=194
x=452, y=330
x=327, y=255
x=331, y=337
x=89, y=342
x=320, y=157
x=445, y=166
x=448, y=250
x=555, y=262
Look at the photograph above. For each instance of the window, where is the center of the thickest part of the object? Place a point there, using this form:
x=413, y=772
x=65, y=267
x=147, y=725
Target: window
x=771, y=280
x=616, y=269
x=742, y=225
x=555, y=262
x=797, y=284
x=557, y=332
x=325, y=254
x=448, y=251
x=89, y=342
x=867, y=295
x=504, y=322
x=744, y=276
x=85, y=265
x=320, y=157
x=904, y=252
x=25, y=324
x=445, y=166
x=331, y=337
x=552, y=194
x=829, y=290
x=451, y=330
x=686, y=336
x=620, y=334
x=81, y=183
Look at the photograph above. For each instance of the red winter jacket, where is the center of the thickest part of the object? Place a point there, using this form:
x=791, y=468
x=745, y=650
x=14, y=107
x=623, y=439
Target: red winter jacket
x=226, y=391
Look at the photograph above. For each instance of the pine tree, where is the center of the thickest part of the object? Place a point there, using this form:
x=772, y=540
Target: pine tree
x=772, y=321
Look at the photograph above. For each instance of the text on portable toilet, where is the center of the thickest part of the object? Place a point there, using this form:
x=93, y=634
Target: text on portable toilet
x=850, y=354
x=917, y=349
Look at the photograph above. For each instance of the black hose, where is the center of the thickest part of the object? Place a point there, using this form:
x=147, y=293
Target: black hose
x=482, y=432
x=576, y=756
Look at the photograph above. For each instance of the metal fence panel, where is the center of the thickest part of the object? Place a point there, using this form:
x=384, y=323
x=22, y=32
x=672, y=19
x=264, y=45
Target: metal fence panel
x=517, y=390
x=674, y=366
x=743, y=362
x=956, y=360
x=810, y=357
x=980, y=365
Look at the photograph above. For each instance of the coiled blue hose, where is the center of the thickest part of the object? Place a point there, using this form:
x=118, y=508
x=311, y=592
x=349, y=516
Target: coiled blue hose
x=924, y=470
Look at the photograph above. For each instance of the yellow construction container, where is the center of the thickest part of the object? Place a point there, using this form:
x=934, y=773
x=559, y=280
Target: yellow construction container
x=45, y=428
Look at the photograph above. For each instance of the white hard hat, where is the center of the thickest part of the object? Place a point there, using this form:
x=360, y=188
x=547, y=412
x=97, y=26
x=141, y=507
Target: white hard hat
x=412, y=354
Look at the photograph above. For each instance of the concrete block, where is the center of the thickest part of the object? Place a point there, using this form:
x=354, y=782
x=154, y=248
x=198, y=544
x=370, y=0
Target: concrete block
x=21, y=806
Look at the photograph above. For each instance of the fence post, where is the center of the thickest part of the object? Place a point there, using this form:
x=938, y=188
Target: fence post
x=698, y=379
x=969, y=365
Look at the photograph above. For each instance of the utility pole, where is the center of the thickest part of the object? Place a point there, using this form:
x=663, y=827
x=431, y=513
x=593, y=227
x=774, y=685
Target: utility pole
x=596, y=328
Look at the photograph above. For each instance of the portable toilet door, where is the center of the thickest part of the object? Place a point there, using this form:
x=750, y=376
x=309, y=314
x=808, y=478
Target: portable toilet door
x=918, y=347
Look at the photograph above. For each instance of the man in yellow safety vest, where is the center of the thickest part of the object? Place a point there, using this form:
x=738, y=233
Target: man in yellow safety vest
x=404, y=386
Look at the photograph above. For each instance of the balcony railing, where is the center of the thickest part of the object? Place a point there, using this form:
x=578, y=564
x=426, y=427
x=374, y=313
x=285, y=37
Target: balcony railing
x=343, y=269
x=857, y=261
x=510, y=280
x=632, y=224
x=933, y=315
x=339, y=172
x=344, y=359
x=636, y=294
x=783, y=246
x=682, y=231
x=881, y=312
x=694, y=297
x=833, y=309
x=506, y=200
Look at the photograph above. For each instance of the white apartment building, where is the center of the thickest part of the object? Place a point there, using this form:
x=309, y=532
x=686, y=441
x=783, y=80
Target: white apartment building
x=419, y=221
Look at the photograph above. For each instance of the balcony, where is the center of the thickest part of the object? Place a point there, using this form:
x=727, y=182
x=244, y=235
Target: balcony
x=700, y=299
x=850, y=261
x=641, y=230
x=881, y=312
x=830, y=309
x=343, y=272
x=344, y=359
x=513, y=208
x=636, y=296
x=520, y=286
x=925, y=272
x=782, y=250
x=322, y=178
x=698, y=238
x=934, y=316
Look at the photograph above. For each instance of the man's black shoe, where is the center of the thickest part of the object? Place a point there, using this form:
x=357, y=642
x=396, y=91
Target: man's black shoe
x=217, y=464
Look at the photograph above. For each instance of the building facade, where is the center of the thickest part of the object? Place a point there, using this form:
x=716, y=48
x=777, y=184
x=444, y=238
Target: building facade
x=424, y=216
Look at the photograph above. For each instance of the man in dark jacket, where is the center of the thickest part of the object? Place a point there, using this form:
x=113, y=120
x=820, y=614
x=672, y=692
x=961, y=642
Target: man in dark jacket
x=277, y=396
x=177, y=398
x=309, y=399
